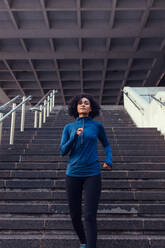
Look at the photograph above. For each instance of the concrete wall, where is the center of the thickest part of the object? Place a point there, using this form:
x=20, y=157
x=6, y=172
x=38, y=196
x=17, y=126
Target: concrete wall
x=3, y=97
x=151, y=113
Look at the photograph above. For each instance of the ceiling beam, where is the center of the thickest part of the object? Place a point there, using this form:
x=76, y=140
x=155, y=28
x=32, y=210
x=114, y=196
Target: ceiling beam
x=24, y=46
x=135, y=47
x=79, y=22
x=118, y=32
x=124, y=81
x=108, y=43
x=57, y=70
x=14, y=77
x=11, y=15
x=77, y=54
x=112, y=19
x=157, y=70
x=81, y=76
x=159, y=80
x=32, y=67
x=36, y=78
x=103, y=80
x=45, y=13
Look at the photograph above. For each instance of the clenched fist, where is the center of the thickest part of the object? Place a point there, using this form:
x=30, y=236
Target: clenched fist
x=106, y=166
x=79, y=131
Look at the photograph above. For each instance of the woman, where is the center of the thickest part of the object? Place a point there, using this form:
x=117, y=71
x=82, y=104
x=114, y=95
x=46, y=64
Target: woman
x=79, y=139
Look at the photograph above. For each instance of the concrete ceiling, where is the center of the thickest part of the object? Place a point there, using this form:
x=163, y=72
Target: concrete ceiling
x=93, y=46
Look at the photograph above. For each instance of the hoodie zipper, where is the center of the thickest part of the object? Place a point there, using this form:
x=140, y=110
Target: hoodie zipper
x=82, y=135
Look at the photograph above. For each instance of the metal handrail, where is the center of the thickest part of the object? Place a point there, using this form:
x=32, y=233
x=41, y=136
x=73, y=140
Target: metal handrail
x=13, y=113
x=42, y=99
x=133, y=101
x=14, y=109
x=36, y=107
x=45, y=108
x=3, y=107
x=156, y=99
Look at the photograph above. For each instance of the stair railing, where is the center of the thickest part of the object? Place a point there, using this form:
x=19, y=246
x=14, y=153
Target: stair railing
x=12, y=112
x=43, y=108
x=156, y=99
x=4, y=106
x=134, y=102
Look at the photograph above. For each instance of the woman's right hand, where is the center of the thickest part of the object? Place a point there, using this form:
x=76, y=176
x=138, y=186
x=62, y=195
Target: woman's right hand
x=107, y=166
x=79, y=131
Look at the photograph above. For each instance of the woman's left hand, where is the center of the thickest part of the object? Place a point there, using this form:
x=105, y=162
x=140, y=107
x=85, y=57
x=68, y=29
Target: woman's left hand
x=107, y=166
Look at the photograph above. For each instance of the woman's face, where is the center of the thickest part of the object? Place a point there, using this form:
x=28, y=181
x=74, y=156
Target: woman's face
x=84, y=107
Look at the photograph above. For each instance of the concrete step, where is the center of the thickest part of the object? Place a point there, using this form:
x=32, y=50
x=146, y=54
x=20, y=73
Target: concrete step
x=112, y=142
x=118, y=140
x=55, y=147
x=56, y=151
x=17, y=138
x=62, y=166
x=110, y=136
x=19, y=135
x=57, y=130
x=131, y=184
x=144, y=147
x=17, y=141
x=106, y=125
x=112, y=139
x=107, y=196
x=105, y=225
x=26, y=129
x=58, y=158
x=109, y=129
x=109, y=210
x=138, y=137
x=60, y=174
x=69, y=240
x=115, y=150
x=53, y=158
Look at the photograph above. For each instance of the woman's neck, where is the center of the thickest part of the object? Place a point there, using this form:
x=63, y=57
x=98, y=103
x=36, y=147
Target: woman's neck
x=83, y=115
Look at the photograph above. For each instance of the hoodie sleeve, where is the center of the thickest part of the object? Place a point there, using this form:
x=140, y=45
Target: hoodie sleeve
x=67, y=140
x=107, y=148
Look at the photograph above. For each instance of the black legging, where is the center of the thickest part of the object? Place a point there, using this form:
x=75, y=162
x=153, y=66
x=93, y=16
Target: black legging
x=92, y=190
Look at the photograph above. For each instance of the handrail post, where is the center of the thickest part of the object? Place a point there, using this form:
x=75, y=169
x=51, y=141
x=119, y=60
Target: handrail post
x=51, y=100
x=48, y=106
x=23, y=115
x=54, y=98
x=44, y=116
x=12, y=112
x=40, y=117
x=12, y=129
x=35, y=118
x=1, y=124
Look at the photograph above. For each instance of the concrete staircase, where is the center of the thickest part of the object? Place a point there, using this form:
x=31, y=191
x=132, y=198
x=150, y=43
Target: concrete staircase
x=33, y=206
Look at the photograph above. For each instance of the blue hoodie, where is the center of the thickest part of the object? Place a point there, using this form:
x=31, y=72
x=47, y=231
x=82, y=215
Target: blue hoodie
x=83, y=157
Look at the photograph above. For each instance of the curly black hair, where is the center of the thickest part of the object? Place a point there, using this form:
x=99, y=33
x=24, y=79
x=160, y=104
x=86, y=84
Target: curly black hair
x=72, y=105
